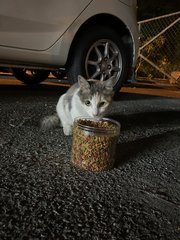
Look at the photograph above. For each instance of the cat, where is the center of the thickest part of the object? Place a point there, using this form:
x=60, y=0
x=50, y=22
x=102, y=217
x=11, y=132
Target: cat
x=86, y=98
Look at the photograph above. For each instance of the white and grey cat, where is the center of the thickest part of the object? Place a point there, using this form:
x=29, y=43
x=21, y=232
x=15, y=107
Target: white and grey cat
x=86, y=98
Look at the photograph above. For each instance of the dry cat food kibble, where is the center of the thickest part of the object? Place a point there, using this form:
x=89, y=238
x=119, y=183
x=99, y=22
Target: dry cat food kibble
x=94, y=143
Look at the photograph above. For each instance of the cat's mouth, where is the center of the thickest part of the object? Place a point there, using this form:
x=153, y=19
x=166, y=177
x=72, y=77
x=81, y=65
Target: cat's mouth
x=95, y=116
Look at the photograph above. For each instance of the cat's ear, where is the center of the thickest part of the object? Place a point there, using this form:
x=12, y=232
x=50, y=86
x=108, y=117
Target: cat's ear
x=83, y=83
x=109, y=84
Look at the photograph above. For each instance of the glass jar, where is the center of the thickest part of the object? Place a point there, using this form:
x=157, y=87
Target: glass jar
x=94, y=143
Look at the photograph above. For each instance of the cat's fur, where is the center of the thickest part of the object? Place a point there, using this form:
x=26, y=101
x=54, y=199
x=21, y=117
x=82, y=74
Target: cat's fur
x=90, y=98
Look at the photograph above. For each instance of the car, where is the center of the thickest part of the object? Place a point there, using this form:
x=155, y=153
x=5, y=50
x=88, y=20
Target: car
x=93, y=38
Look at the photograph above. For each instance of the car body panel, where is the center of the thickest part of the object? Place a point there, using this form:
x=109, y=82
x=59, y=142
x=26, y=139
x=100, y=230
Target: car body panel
x=52, y=40
x=36, y=25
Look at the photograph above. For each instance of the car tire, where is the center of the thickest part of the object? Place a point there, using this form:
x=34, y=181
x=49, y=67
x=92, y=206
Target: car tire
x=98, y=54
x=30, y=76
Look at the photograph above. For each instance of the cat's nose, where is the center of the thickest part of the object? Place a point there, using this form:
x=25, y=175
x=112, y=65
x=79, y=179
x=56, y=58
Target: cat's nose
x=95, y=114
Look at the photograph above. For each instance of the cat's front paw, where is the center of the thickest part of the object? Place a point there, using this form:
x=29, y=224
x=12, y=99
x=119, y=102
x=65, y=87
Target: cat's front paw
x=67, y=130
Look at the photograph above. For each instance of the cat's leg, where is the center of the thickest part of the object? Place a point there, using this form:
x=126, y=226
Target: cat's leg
x=66, y=124
x=67, y=130
x=62, y=109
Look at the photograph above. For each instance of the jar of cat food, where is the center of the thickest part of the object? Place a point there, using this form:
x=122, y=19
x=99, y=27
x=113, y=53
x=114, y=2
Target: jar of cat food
x=94, y=143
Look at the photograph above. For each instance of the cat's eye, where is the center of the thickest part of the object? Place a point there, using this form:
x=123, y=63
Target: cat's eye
x=88, y=103
x=101, y=104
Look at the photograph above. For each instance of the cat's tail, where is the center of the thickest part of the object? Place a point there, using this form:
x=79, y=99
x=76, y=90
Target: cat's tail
x=50, y=122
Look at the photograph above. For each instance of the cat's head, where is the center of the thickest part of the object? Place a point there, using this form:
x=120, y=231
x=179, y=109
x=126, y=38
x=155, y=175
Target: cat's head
x=96, y=96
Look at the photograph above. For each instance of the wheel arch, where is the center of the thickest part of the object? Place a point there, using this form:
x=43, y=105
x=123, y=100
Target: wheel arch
x=111, y=22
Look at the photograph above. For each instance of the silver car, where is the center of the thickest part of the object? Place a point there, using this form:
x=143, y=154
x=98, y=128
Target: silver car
x=94, y=38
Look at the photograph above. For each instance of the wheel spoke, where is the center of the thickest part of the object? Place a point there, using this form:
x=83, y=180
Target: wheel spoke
x=97, y=73
x=115, y=54
x=93, y=63
x=99, y=55
x=116, y=69
x=102, y=77
x=106, y=50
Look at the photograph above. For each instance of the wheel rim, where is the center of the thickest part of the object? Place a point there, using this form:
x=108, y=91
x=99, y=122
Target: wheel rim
x=103, y=60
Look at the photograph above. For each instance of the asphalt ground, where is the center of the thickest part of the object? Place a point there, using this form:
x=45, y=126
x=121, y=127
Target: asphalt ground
x=42, y=196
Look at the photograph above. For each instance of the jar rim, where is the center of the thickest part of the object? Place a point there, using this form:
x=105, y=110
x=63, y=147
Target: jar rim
x=98, y=129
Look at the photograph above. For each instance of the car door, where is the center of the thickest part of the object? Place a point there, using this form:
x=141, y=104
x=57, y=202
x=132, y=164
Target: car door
x=36, y=24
